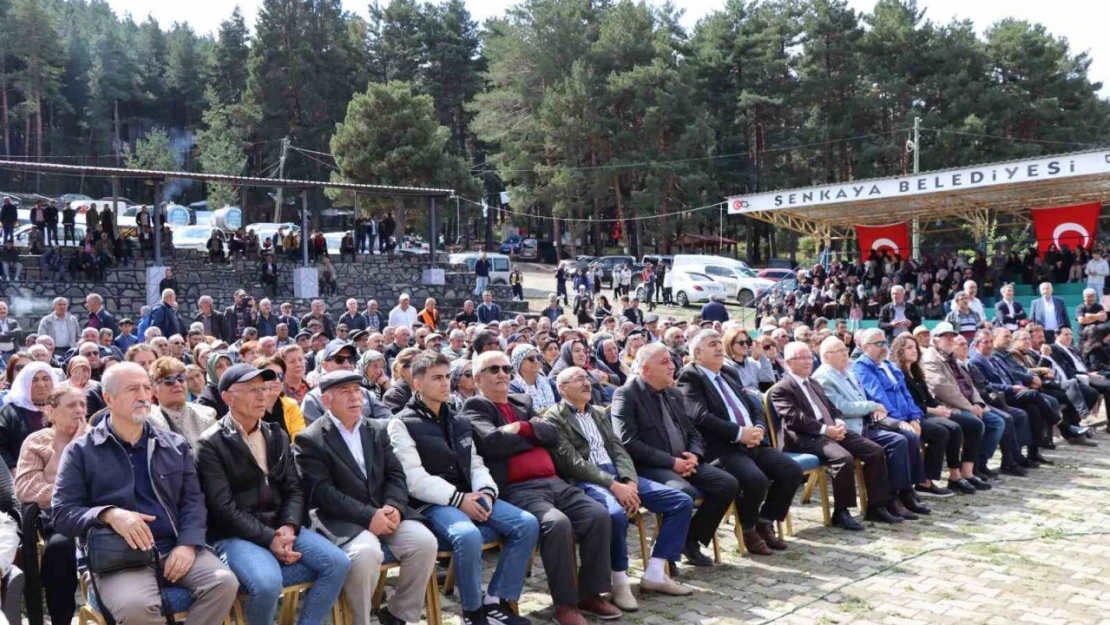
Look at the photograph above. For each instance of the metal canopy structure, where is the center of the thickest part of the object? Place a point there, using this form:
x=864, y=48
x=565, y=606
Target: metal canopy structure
x=117, y=172
x=977, y=194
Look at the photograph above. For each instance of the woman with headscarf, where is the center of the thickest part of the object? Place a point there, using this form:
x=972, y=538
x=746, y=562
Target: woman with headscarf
x=400, y=392
x=527, y=363
x=609, y=355
x=34, y=483
x=78, y=374
x=371, y=366
x=463, y=386
x=217, y=363
x=575, y=353
x=22, y=413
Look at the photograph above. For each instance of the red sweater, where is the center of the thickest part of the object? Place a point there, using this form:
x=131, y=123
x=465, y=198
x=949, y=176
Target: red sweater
x=533, y=464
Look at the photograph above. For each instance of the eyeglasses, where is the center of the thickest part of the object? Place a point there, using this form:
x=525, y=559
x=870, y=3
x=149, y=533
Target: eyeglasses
x=342, y=360
x=879, y=343
x=531, y=358
x=170, y=380
x=467, y=374
x=742, y=343
x=280, y=376
x=495, y=369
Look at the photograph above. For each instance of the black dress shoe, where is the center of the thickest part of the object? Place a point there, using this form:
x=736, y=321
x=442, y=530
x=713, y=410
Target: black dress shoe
x=909, y=502
x=962, y=486
x=695, y=556
x=843, y=519
x=978, y=483
x=896, y=508
x=1015, y=469
x=934, y=490
x=879, y=514
x=988, y=473
x=1038, y=458
x=1048, y=445
x=387, y=618
x=1026, y=463
x=981, y=476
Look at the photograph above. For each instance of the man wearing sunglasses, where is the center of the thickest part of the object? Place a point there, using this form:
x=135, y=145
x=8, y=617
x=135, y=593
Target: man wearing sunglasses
x=340, y=356
x=190, y=420
x=516, y=445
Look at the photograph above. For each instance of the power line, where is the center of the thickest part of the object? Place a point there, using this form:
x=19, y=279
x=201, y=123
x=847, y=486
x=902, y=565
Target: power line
x=716, y=205
x=313, y=158
x=1015, y=139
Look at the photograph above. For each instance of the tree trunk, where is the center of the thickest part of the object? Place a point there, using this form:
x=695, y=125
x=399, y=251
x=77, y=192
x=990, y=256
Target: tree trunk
x=115, y=120
x=4, y=106
x=597, y=203
x=399, y=218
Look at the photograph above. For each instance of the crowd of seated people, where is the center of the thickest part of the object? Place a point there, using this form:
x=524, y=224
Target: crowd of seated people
x=253, y=449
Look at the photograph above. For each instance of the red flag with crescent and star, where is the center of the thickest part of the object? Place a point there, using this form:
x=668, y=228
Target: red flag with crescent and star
x=1073, y=226
x=894, y=237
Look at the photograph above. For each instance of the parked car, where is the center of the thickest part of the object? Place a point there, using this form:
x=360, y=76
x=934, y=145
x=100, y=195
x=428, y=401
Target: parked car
x=655, y=259
x=196, y=238
x=608, y=263
x=23, y=232
x=529, y=249
x=692, y=288
x=740, y=281
x=775, y=274
x=499, y=265
x=511, y=245
x=266, y=230
x=572, y=265
x=125, y=200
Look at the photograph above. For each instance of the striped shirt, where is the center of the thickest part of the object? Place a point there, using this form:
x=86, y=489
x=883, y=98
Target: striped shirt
x=598, y=454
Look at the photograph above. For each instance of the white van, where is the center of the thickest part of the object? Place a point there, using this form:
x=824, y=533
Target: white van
x=739, y=279
x=499, y=265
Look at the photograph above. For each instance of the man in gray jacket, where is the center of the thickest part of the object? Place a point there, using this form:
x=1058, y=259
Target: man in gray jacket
x=60, y=325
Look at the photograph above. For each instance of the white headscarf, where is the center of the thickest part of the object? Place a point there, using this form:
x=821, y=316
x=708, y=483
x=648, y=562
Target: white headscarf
x=20, y=393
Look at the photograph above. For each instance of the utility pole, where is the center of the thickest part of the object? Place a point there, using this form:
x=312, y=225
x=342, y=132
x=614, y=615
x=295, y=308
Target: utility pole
x=281, y=174
x=915, y=147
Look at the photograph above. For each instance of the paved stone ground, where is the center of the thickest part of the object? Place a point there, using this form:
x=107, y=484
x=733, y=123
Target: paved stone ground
x=1029, y=551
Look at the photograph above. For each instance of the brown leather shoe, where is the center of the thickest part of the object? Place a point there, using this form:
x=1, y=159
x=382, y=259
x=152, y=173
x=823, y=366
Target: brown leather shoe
x=755, y=545
x=767, y=533
x=568, y=615
x=599, y=607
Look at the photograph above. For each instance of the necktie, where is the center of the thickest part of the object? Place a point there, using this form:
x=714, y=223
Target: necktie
x=674, y=436
x=735, y=410
x=825, y=417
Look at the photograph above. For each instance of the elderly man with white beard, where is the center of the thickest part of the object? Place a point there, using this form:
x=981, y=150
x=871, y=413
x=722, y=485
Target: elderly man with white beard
x=140, y=482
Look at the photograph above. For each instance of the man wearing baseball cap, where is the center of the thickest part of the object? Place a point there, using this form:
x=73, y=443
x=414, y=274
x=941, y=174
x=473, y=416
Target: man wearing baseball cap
x=342, y=357
x=256, y=505
x=359, y=497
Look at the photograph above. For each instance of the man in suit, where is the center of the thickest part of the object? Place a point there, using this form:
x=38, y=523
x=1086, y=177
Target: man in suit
x=1073, y=405
x=1043, y=409
x=1015, y=397
x=652, y=420
x=1065, y=356
x=516, y=445
x=1008, y=312
x=899, y=441
x=358, y=498
x=99, y=317
x=735, y=430
x=1049, y=312
x=602, y=468
x=211, y=319
x=813, y=425
x=164, y=315
x=898, y=316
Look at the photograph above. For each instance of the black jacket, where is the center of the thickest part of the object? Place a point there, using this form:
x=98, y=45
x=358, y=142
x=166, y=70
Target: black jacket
x=1061, y=358
x=639, y=424
x=218, y=323
x=242, y=501
x=710, y=415
x=210, y=397
x=341, y=499
x=231, y=323
x=496, y=446
x=397, y=396
x=444, y=443
x=106, y=321
x=15, y=427
x=886, y=317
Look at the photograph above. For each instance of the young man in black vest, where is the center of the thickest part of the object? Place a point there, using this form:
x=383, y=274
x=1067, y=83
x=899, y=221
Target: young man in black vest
x=450, y=485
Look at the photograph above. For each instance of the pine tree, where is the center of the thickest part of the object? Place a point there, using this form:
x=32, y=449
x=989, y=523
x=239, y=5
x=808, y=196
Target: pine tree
x=230, y=59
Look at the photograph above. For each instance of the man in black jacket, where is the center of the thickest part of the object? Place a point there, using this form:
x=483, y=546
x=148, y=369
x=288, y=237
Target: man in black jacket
x=1067, y=358
x=898, y=315
x=256, y=506
x=735, y=432
x=52, y=223
x=239, y=316
x=358, y=499
x=211, y=319
x=99, y=317
x=515, y=444
x=653, y=423
x=454, y=490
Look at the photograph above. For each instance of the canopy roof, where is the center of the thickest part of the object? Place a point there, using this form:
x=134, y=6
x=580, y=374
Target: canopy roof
x=971, y=193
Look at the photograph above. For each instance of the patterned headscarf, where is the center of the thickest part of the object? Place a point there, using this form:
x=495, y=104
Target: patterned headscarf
x=457, y=367
x=520, y=352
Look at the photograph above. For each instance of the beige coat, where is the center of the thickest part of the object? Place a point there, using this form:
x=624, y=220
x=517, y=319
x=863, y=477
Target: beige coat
x=942, y=384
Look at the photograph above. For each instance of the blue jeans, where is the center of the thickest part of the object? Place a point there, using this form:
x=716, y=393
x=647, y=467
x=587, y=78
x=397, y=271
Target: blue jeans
x=518, y=529
x=675, y=506
x=995, y=424
x=263, y=577
x=481, y=288
x=903, y=457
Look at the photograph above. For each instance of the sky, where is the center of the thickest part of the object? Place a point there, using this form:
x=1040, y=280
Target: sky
x=1082, y=22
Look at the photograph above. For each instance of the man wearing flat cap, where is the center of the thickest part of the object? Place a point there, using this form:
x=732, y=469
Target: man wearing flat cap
x=358, y=497
x=340, y=356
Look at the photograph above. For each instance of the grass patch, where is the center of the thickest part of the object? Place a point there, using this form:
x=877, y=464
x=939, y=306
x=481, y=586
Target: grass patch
x=793, y=556
x=983, y=549
x=1053, y=533
x=855, y=604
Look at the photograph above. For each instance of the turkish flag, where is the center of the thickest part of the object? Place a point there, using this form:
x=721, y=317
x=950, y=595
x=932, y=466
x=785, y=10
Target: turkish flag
x=1073, y=226
x=894, y=237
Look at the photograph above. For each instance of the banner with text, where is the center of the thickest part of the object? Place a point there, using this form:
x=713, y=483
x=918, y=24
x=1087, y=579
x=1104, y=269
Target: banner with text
x=1073, y=226
x=894, y=237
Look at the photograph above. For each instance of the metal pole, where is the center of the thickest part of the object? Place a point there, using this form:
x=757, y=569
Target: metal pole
x=115, y=206
x=156, y=220
x=281, y=174
x=916, y=232
x=458, y=221
x=304, y=228
x=721, y=231
x=434, y=227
